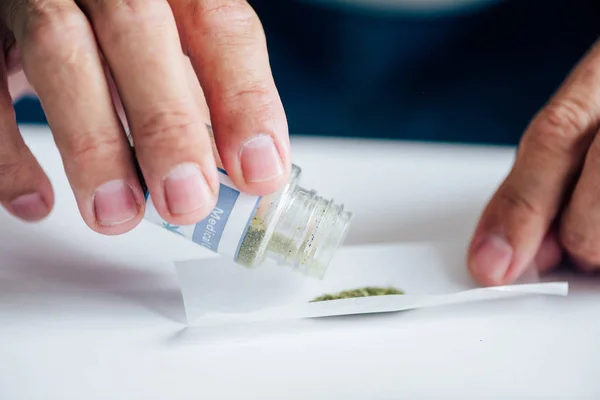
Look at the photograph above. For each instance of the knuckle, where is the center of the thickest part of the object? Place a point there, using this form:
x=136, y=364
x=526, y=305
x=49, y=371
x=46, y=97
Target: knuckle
x=567, y=117
x=258, y=96
x=10, y=169
x=51, y=28
x=513, y=201
x=97, y=146
x=579, y=244
x=140, y=13
x=223, y=18
x=174, y=130
x=561, y=123
x=14, y=174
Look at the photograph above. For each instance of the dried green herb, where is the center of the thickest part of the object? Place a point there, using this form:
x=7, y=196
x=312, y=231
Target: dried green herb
x=361, y=292
x=253, y=241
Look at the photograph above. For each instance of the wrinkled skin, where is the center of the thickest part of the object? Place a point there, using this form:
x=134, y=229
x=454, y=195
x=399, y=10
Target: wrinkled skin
x=548, y=207
x=167, y=69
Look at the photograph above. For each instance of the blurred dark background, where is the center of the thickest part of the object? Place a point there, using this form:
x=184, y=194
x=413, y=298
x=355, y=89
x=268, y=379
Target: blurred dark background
x=473, y=75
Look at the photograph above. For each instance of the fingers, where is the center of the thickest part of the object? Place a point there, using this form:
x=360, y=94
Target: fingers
x=580, y=228
x=193, y=84
x=63, y=64
x=226, y=44
x=140, y=41
x=25, y=190
x=515, y=221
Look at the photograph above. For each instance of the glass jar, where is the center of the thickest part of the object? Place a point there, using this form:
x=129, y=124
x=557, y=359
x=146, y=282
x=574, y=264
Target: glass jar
x=294, y=227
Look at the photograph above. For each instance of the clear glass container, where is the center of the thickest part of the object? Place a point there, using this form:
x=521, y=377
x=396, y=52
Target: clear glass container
x=295, y=227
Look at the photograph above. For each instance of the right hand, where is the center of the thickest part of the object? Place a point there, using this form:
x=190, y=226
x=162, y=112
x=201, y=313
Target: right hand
x=164, y=56
x=547, y=209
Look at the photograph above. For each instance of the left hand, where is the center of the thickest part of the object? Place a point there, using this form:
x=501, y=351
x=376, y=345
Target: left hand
x=549, y=205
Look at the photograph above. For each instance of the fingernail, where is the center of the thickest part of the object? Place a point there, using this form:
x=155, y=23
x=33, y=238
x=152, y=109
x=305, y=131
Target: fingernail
x=492, y=258
x=114, y=203
x=260, y=160
x=30, y=207
x=186, y=190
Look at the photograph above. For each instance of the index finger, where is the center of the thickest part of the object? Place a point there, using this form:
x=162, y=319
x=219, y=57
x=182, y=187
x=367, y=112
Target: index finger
x=140, y=42
x=226, y=44
x=550, y=155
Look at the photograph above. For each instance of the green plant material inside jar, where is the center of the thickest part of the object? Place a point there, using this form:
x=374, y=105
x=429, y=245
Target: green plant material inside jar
x=361, y=292
x=254, y=239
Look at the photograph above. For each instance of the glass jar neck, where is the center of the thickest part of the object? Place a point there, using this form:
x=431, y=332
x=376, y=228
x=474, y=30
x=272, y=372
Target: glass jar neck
x=308, y=232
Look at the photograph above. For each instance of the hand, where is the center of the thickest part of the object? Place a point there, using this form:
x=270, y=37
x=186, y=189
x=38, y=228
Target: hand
x=167, y=63
x=549, y=205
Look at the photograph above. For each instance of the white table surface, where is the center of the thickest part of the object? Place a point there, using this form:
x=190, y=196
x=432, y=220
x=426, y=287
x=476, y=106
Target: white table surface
x=84, y=316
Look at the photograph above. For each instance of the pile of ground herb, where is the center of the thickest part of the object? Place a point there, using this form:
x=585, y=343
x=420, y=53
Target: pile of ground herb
x=361, y=292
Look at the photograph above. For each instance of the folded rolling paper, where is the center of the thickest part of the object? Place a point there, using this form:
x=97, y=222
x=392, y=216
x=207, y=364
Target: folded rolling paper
x=216, y=291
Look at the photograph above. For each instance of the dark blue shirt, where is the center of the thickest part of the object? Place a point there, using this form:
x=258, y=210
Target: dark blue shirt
x=477, y=75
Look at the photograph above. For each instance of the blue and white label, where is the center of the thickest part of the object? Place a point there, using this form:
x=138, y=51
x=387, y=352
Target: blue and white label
x=209, y=231
x=224, y=228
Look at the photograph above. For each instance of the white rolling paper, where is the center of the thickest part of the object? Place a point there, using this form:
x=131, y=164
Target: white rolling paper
x=216, y=291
